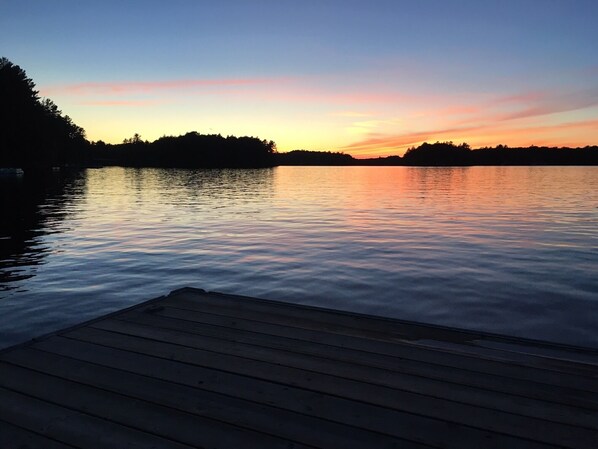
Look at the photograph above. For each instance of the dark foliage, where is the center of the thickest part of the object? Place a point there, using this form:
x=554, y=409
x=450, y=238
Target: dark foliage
x=192, y=150
x=502, y=155
x=387, y=161
x=24, y=223
x=439, y=153
x=34, y=133
x=447, y=153
x=305, y=157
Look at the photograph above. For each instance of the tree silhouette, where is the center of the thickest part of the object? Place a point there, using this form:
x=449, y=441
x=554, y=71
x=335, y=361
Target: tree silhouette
x=35, y=133
x=305, y=157
x=192, y=150
x=439, y=153
x=136, y=139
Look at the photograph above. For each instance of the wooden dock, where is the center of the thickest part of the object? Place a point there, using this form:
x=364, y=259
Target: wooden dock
x=207, y=370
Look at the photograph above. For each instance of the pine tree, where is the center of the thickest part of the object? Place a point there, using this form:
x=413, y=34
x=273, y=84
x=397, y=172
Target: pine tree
x=33, y=132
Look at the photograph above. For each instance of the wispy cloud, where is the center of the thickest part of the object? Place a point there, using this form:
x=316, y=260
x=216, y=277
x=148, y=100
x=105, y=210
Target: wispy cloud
x=380, y=118
x=514, y=107
x=350, y=114
x=457, y=110
x=297, y=93
x=275, y=89
x=136, y=87
x=378, y=144
x=381, y=142
x=368, y=126
x=505, y=117
x=121, y=103
x=551, y=103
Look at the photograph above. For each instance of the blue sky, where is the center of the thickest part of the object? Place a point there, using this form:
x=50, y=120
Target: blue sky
x=365, y=78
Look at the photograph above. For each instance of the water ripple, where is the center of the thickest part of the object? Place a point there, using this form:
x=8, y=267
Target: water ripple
x=504, y=249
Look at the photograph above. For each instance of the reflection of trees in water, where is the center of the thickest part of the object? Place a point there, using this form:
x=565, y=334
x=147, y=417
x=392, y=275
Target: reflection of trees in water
x=232, y=186
x=30, y=209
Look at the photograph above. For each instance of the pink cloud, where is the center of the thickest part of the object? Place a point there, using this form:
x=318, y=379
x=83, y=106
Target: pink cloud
x=504, y=109
x=523, y=105
x=282, y=89
x=553, y=103
x=380, y=144
x=522, y=97
x=451, y=110
x=400, y=141
x=568, y=126
x=350, y=114
x=120, y=103
x=129, y=87
x=300, y=94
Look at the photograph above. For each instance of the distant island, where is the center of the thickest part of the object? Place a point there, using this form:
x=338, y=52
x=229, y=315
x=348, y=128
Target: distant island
x=450, y=154
x=192, y=150
x=37, y=136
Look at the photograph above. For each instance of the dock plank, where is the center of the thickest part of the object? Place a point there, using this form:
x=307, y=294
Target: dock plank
x=388, y=329
x=221, y=316
x=290, y=425
x=422, y=378
x=197, y=369
x=351, y=370
x=312, y=377
x=165, y=422
x=375, y=353
x=508, y=364
x=437, y=433
x=10, y=434
x=72, y=427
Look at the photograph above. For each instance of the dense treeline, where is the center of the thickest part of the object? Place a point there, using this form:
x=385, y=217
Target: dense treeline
x=388, y=160
x=439, y=153
x=502, y=155
x=305, y=157
x=36, y=135
x=447, y=153
x=191, y=150
x=34, y=131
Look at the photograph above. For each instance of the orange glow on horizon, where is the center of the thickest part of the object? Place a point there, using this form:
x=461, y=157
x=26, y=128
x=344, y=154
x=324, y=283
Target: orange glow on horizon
x=305, y=113
x=558, y=135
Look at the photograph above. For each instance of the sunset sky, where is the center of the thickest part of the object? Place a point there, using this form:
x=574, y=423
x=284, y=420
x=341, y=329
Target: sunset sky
x=367, y=78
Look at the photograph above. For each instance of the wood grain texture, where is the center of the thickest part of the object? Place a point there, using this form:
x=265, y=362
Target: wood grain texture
x=197, y=369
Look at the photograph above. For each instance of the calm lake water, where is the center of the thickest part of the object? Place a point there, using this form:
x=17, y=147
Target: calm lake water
x=512, y=250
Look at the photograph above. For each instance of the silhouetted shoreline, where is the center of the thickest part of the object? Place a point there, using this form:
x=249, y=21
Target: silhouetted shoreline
x=449, y=154
x=38, y=137
x=192, y=150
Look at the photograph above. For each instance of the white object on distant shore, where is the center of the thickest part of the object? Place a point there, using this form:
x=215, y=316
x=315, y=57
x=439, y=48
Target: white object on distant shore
x=11, y=172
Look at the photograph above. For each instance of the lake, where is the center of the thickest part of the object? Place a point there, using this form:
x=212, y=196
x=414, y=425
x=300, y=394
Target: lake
x=511, y=250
